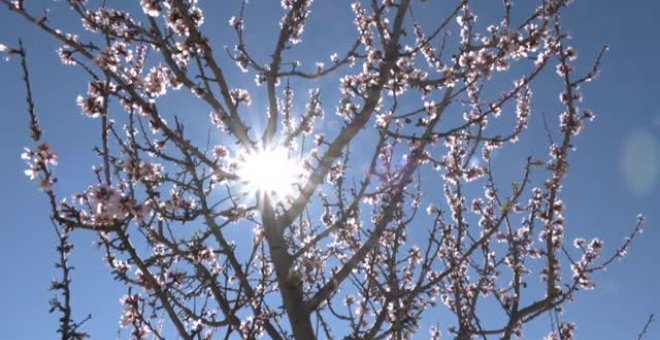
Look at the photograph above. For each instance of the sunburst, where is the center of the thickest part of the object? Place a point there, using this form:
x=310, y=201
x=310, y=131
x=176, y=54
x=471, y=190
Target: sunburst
x=269, y=172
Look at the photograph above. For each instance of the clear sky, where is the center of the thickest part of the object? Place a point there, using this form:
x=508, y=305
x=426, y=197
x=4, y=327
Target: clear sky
x=614, y=175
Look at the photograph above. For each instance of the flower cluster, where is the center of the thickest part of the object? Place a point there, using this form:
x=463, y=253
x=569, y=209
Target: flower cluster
x=157, y=81
x=151, y=7
x=294, y=21
x=132, y=316
x=94, y=104
x=240, y=96
x=142, y=171
x=39, y=162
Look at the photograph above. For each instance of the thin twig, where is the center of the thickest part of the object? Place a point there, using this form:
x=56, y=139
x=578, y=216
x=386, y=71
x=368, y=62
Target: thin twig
x=648, y=323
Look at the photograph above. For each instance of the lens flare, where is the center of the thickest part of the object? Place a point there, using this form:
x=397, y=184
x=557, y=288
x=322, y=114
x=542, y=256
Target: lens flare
x=639, y=162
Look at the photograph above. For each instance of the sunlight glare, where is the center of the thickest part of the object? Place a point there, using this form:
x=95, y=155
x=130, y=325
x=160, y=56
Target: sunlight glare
x=269, y=171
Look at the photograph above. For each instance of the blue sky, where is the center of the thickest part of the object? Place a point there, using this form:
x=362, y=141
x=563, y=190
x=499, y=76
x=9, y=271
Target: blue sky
x=615, y=172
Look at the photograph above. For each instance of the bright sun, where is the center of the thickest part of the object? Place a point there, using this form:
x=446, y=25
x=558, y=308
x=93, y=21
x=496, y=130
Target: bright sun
x=269, y=172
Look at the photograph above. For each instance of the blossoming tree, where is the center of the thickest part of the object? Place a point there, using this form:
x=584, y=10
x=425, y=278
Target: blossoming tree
x=392, y=221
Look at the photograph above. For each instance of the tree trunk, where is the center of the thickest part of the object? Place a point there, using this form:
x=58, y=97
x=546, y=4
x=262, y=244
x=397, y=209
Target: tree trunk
x=290, y=285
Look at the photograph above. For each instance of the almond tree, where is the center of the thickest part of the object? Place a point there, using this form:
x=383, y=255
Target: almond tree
x=364, y=231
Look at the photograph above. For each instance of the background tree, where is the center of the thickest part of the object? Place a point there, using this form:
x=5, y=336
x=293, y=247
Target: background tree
x=363, y=221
